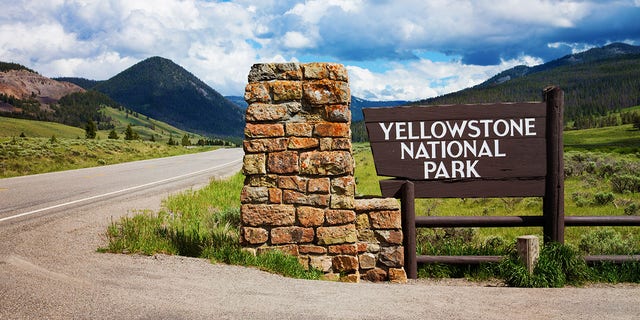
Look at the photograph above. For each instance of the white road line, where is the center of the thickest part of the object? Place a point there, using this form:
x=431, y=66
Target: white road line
x=116, y=192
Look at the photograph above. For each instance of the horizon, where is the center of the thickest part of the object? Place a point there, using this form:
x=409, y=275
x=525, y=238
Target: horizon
x=407, y=50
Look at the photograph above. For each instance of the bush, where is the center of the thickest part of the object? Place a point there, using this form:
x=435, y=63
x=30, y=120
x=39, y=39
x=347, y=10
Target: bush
x=632, y=209
x=603, y=198
x=558, y=265
x=625, y=183
x=603, y=241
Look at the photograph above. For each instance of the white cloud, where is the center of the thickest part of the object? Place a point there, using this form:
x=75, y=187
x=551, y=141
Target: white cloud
x=424, y=78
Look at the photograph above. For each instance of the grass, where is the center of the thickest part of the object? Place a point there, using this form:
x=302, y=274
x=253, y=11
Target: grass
x=203, y=223
x=24, y=156
x=11, y=127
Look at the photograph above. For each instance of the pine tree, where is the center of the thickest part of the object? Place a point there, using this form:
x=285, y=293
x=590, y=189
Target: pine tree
x=90, y=130
x=113, y=134
x=185, y=140
x=129, y=134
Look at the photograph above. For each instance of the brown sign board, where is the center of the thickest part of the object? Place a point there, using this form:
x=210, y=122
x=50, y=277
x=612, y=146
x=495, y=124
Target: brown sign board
x=477, y=150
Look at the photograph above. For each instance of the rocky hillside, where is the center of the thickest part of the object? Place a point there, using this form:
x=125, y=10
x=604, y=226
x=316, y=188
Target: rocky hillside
x=24, y=85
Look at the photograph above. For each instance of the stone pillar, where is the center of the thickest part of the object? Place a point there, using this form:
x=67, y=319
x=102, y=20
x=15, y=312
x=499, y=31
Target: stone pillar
x=299, y=188
x=529, y=251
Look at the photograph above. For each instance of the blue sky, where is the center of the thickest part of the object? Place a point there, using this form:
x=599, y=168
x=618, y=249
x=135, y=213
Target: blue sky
x=393, y=49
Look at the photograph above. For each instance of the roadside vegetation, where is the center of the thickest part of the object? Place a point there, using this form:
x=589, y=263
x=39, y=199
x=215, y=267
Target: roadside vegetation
x=601, y=179
x=204, y=224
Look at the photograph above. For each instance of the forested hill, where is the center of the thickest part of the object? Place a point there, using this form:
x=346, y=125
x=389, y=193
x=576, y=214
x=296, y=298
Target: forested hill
x=595, y=82
x=161, y=89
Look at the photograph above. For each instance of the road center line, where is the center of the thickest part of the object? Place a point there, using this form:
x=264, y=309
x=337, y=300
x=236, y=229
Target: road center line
x=118, y=191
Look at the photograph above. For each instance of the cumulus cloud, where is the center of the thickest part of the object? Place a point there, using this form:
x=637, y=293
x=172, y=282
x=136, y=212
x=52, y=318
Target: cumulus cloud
x=218, y=41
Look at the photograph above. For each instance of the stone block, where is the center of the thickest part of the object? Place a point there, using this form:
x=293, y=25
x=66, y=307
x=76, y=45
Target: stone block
x=255, y=235
x=350, y=249
x=371, y=204
x=397, y=275
x=254, y=164
x=261, y=130
x=262, y=72
x=267, y=214
x=320, y=70
x=284, y=162
x=367, y=235
x=288, y=71
x=385, y=219
x=338, y=113
x=327, y=163
x=263, y=180
x=342, y=202
x=266, y=112
x=332, y=129
x=296, y=143
x=322, y=263
x=344, y=186
x=254, y=194
x=351, y=278
x=265, y=145
x=392, y=257
x=362, y=221
x=367, y=261
x=376, y=275
x=299, y=129
x=295, y=197
x=337, y=72
x=318, y=185
x=311, y=249
x=337, y=235
x=334, y=217
x=257, y=92
x=344, y=263
x=310, y=216
x=323, y=92
x=292, y=183
x=393, y=237
x=285, y=90
x=275, y=195
x=283, y=235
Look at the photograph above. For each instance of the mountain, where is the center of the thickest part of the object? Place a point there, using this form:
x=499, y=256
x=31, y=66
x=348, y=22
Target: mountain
x=81, y=82
x=613, y=50
x=356, y=105
x=595, y=82
x=161, y=89
x=25, y=84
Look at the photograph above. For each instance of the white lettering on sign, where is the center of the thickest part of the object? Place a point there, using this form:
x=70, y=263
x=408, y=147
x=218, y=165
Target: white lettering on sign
x=444, y=144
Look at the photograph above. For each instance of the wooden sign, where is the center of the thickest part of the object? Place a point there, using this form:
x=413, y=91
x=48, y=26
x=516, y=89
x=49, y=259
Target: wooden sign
x=461, y=143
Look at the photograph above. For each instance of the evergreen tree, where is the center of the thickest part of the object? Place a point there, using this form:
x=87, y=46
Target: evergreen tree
x=129, y=134
x=185, y=140
x=113, y=134
x=171, y=142
x=90, y=130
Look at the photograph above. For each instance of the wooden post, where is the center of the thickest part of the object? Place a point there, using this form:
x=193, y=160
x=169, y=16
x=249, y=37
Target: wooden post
x=409, y=229
x=553, y=201
x=529, y=250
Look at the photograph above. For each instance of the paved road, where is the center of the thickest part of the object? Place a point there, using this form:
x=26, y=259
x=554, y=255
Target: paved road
x=49, y=268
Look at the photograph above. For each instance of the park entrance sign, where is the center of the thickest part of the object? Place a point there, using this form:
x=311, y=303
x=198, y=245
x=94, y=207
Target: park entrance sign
x=471, y=151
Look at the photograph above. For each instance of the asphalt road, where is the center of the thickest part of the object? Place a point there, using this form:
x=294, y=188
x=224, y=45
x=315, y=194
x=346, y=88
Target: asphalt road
x=49, y=267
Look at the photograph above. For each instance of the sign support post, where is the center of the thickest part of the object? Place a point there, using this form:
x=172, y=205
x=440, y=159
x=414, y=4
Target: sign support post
x=553, y=202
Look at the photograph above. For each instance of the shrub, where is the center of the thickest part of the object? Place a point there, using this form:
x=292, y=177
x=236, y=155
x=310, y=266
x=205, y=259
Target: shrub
x=603, y=241
x=625, y=183
x=632, y=209
x=558, y=265
x=603, y=198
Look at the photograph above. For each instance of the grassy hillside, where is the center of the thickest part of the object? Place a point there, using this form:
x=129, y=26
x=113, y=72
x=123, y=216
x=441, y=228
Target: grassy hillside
x=24, y=156
x=143, y=125
x=12, y=127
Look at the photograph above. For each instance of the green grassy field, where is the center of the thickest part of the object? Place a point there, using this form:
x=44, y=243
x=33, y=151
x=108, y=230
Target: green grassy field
x=11, y=127
x=145, y=127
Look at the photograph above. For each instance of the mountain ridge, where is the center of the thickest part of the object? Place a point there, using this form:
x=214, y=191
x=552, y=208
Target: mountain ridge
x=165, y=91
